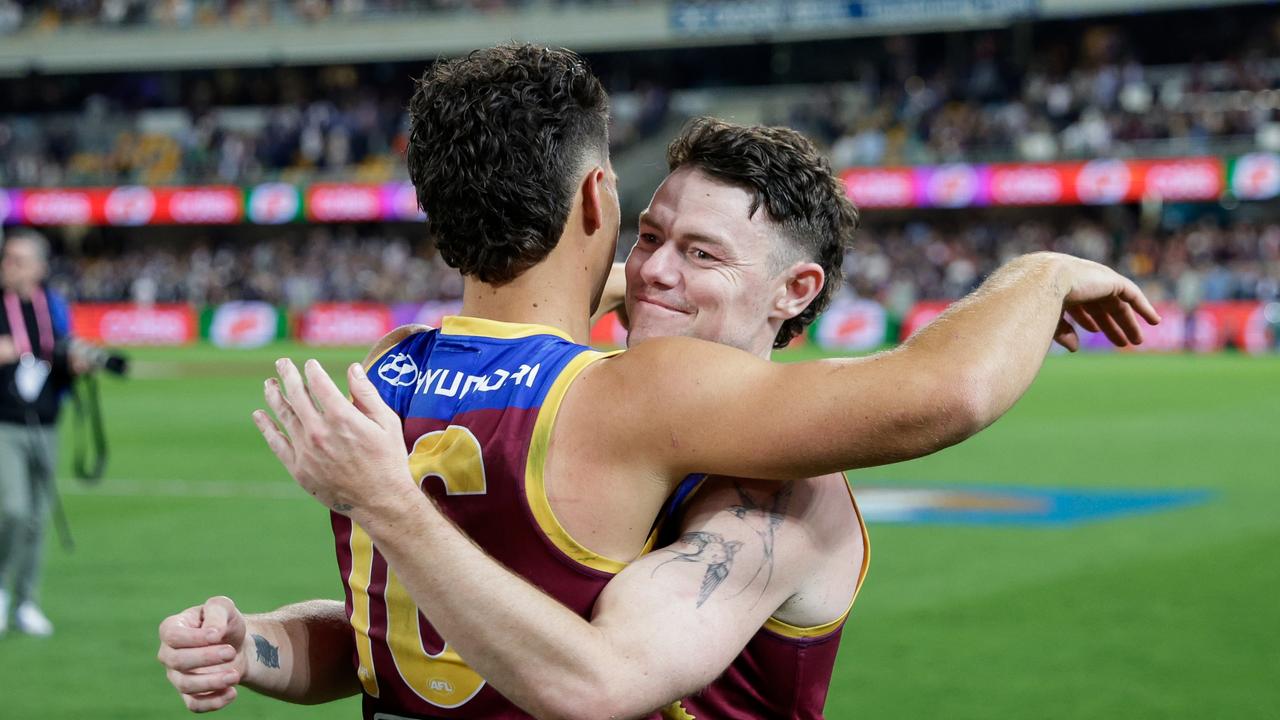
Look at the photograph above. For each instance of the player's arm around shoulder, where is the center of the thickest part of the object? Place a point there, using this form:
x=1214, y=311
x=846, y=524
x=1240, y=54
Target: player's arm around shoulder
x=679, y=406
x=613, y=299
x=675, y=619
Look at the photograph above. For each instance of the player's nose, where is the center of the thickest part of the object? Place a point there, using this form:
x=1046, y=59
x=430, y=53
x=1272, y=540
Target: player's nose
x=661, y=268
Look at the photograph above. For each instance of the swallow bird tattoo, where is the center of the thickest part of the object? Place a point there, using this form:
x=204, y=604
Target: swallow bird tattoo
x=710, y=549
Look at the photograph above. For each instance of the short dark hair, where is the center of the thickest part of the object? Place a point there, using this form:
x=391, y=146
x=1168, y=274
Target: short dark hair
x=786, y=175
x=496, y=141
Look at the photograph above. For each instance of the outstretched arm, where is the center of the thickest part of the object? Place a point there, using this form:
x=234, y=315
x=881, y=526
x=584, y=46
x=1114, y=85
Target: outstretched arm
x=299, y=653
x=693, y=406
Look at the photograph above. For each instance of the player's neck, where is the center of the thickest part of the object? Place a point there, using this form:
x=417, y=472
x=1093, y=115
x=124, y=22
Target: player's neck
x=23, y=292
x=540, y=296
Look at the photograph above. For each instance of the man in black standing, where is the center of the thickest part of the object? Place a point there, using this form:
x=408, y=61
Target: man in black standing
x=35, y=369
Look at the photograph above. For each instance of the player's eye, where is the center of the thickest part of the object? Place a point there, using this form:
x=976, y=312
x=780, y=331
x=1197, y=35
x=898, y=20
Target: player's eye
x=648, y=238
x=703, y=255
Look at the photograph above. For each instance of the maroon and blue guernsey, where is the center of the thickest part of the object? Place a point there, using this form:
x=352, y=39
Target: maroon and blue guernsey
x=477, y=399
x=784, y=671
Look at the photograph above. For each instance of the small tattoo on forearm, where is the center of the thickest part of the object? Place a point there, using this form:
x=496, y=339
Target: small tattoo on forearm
x=268, y=654
x=342, y=507
x=711, y=549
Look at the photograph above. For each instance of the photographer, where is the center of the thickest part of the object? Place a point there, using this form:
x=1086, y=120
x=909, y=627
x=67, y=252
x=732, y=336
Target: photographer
x=36, y=367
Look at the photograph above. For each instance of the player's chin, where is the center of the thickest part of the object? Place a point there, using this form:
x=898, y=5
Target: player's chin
x=644, y=328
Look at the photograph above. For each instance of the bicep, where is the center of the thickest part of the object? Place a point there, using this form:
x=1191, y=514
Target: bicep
x=681, y=614
x=699, y=407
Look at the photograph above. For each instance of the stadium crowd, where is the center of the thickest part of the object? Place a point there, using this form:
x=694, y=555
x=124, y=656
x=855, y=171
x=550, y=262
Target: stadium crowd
x=1200, y=261
x=340, y=122
x=319, y=263
x=1101, y=89
x=1098, y=98
x=896, y=264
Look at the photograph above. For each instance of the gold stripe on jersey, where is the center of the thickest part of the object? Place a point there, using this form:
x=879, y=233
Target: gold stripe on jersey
x=676, y=711
x=776, y=626
x=358, y=582
x=535, y=483
x=480, y=327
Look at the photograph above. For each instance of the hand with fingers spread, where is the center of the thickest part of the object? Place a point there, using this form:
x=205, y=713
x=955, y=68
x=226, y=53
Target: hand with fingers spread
x=203, y=651
x=1101, y=300
x=350, y=456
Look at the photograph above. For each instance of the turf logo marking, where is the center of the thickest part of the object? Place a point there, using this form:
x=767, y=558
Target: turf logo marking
x=994, y=505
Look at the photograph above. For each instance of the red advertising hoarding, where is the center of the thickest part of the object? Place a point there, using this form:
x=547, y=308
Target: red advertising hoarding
x=343, y=203
x=1097, y=182
x=1255, y=176
x=345, y=323
x=131, y=205
x=119, y=324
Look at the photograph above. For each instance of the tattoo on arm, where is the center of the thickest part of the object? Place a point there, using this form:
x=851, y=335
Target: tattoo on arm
x=268, y=654
x=764, y=518
x=711, y=549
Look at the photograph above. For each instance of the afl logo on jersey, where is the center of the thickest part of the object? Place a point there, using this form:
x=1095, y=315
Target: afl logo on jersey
x=398, y=370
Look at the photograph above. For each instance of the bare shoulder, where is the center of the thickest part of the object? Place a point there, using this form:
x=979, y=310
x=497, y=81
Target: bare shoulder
x=834, y=520
x=671, y=375
x=810, y=535
x=678, y=353
x=389, y=340
x=819, y=508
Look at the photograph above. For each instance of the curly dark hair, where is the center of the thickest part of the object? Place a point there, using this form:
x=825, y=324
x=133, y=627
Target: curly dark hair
x=496, y=141
x=786, y=175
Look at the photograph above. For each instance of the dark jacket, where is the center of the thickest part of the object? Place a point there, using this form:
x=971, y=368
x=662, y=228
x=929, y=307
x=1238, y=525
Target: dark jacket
x=13, y=409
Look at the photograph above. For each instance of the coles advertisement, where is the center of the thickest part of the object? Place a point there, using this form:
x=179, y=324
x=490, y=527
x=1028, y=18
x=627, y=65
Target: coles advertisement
x=125, y=324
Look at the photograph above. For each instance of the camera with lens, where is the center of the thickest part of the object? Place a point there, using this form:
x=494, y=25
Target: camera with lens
x=98, y=358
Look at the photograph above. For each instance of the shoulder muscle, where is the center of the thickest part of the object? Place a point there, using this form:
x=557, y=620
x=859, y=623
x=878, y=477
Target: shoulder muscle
x=391, y=339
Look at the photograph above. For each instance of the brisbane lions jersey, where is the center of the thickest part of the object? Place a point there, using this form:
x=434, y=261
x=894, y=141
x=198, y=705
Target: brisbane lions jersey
x=477, y=399
x=784, y=671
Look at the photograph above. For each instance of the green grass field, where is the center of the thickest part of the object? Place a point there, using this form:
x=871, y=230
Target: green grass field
x=1165, y=615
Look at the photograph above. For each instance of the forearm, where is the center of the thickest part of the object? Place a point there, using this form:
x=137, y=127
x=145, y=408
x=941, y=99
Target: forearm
x=534, y=650
x=992, y=343
x=614, y=295
x=301, y=653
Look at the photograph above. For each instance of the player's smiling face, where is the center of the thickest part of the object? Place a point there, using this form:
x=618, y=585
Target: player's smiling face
x=702, y=268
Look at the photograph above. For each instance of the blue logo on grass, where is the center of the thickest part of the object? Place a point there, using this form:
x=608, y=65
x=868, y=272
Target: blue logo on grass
x=990, y=505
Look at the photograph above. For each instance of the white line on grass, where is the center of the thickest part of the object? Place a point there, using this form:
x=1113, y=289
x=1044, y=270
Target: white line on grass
x=113, y=487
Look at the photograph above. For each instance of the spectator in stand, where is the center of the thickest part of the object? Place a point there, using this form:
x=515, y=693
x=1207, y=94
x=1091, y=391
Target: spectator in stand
x=1083, y=93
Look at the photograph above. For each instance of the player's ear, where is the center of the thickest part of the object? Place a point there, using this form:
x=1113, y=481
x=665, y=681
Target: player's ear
x=801, y=283
x=592, y=191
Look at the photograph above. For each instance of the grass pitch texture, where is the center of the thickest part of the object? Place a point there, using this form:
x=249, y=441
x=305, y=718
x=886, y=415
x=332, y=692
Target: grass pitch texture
x=1163, y=615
